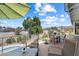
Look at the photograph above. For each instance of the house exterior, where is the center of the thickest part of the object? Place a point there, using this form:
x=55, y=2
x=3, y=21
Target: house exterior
x=73, y=11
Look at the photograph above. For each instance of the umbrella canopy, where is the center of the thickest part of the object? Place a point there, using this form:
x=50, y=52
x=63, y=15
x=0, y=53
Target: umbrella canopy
x=13, y=10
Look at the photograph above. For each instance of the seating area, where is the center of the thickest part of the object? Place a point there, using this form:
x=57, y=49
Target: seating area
x=69, y=47
x=62, y=50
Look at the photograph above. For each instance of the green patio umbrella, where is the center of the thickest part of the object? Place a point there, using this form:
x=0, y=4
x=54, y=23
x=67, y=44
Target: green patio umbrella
x=13, y=10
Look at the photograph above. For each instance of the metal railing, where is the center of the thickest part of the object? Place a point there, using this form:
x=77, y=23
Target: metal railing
x=8, y=36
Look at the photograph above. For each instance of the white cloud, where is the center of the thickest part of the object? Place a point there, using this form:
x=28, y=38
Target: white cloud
x=62, y=15
x=53, y=21
x=4, y=22
x=42, y=9
x=37, y=7
x=49, y=8
x=62, y=19
x=42, y=13
x=49, y=20
x=1, y=24
x=67, y=16
x=56, y=21
x=14, y=26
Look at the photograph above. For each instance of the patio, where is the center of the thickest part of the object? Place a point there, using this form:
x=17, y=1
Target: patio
x=54, y=46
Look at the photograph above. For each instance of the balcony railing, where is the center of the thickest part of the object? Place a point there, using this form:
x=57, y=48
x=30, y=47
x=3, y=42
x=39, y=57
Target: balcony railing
x=12, y=45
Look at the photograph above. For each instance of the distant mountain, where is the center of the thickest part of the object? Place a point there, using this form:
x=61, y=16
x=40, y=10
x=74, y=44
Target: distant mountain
x=62, y=27
x=6, y=29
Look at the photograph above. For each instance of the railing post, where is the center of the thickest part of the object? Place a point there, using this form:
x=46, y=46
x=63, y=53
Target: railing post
x=2, y=45
x=38, y=45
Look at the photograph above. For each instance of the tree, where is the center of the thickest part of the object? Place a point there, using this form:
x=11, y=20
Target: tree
x=18, y=29
x=36, y=29
x=36, y=21
x=27, y=23
x=33, y=26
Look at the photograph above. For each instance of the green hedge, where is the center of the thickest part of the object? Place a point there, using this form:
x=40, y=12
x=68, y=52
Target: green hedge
x=10, y=40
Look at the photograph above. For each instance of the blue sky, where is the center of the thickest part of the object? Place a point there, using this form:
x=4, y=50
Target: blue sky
x=50, y=14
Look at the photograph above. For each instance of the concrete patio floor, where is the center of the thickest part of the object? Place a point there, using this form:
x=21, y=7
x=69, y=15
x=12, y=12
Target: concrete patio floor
x=44, y=49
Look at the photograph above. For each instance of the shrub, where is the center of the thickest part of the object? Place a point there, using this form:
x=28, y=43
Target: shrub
x=22, y=39
x=19, y=39
x=10, y=40
x=45, y=37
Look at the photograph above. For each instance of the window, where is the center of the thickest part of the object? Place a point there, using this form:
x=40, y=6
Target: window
x=77, y=28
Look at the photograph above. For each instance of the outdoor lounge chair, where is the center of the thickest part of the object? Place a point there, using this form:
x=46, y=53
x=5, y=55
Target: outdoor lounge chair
x=68, y=49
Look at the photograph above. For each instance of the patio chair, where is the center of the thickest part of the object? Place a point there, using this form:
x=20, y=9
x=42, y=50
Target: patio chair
x=67, y=50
